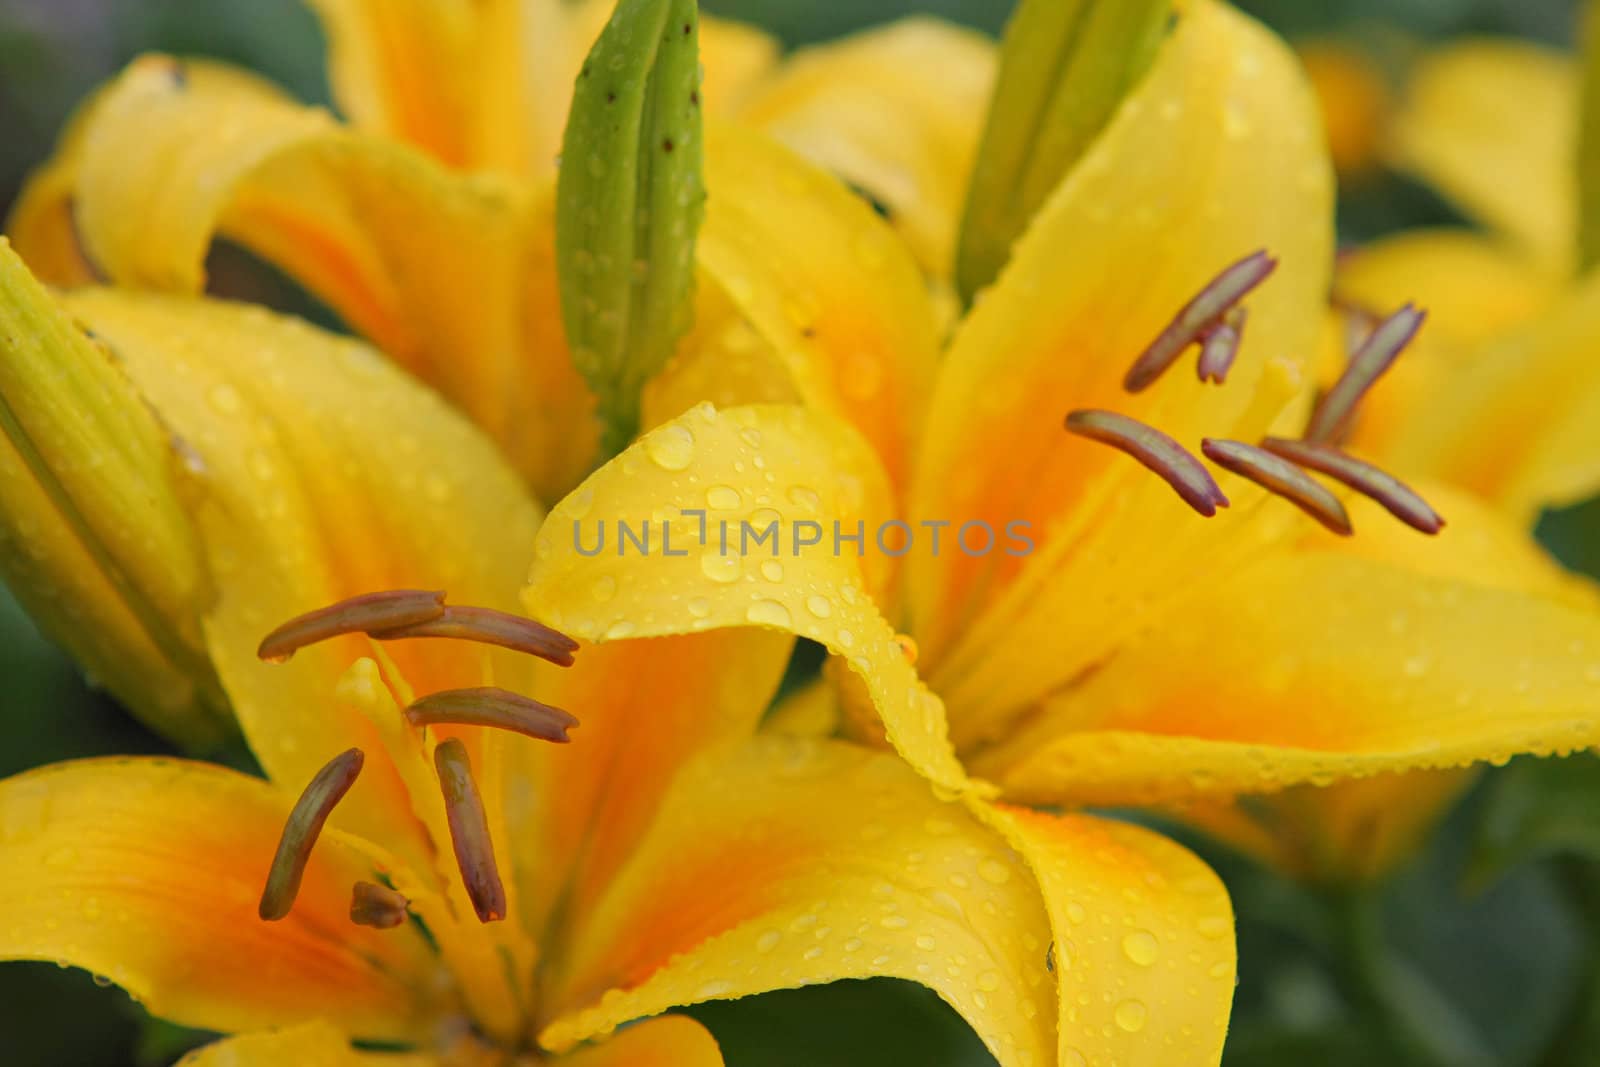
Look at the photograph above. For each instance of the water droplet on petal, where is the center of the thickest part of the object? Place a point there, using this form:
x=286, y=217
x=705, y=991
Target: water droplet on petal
x=671, y=447
x=1131, y=1015
x=720, y=568
x=769, y=613
x=1141, y=947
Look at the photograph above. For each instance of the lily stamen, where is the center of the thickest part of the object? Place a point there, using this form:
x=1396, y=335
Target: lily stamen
x=1280, y=477
x=301, y=830
x=469, y=831
x=1218, y=346
x=1397, y=498
x=490, y=627
x=358, y=614
x=1203, y=312
x=1366, y=366
x=495, y=708
x=1160, y=453
x=377, y=906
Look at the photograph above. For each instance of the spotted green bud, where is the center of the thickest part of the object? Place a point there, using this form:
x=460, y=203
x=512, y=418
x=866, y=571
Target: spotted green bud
x=629, y=202
x=94, y=541
x=1065, y=66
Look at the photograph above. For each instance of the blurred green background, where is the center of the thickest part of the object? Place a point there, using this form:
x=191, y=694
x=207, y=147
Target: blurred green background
x=1487, y=943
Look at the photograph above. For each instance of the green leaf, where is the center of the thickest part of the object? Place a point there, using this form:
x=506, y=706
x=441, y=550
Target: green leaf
x=629, y=202
x=1537, y=808
x=843, y=1024
x=1065, y=66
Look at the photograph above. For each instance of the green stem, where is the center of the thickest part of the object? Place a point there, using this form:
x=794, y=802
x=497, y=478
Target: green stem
x=1367, y=971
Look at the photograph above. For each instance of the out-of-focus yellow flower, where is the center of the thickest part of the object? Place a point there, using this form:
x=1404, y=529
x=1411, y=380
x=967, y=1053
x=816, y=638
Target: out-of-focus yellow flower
x=1132, y=653
x=427, y=220
x=1354, y=98
x=668, y=855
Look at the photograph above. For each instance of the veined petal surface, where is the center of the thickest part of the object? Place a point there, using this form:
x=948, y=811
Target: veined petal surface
x=149, y=871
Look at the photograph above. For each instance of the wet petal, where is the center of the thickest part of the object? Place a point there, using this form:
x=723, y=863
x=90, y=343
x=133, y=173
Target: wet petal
x=437, y=269
x=793, y=862
x=647, y=707
x=1143, y=938
x=1387, y=665
x=147, y=871
x=790, y=470
x=894, y=111
x=317, y=1044
x=1214, y=156
x=825, y=284
x=324, y=472
x=1492, y=124
x=670, y=1041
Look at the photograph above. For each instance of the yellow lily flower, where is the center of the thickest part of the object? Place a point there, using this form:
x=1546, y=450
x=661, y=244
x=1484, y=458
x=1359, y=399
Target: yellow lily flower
x=668, y=855
x=1130, y=652
x=427, y=222
x=1498, y=397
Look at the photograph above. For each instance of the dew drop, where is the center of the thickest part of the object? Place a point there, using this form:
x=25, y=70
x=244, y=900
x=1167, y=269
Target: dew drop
x=772, y=570
x=620, y=629
x=820, y=606
x=723, y=498
x=1131, y=1015
x=671, y=447
x=994, y=872
x=224, y=399
x=720, y=568
x=604, y=588
x=1141, y=947
x=988, y=981
x=699, y=607
x=768, y=941
x=769, y=613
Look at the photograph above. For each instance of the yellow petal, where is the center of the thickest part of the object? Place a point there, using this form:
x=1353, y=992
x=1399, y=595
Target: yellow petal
x=1492, y=124
x=895, y=111
x=96, y=543
x=324, y=472
x=405, y=69
x=1143, y=948
x=102, y=858
x=317, y=1044
x=451, y=276
x=1518, y=420
x=670, y=1041
x=720, y=463
x=825, y=284
x=1214, y=156
x=575, y=812
x=793, y=862
x=1473, y=287
x=1313, y=667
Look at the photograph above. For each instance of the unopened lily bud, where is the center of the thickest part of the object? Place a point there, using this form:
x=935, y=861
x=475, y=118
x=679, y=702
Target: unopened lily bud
x=94, y=540
x=629, y=203
x=1065, y=66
